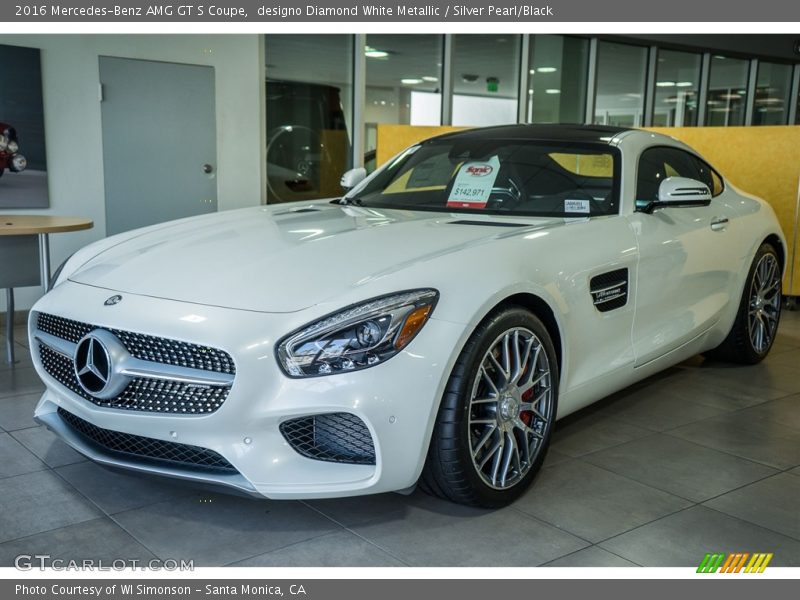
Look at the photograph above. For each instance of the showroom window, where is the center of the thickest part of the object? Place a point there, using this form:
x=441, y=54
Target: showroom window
x=404, y=79
x=727, y=91
x=621, y=71
x=773, y=85
x=309, y=100
x=485, y=79
x=677, y=87
x=557, y=77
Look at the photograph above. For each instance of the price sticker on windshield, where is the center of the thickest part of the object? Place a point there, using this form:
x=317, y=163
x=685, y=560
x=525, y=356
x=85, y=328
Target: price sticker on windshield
x=474, y=183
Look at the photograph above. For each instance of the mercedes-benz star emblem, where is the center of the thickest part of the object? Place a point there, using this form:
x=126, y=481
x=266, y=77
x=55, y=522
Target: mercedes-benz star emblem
x=92, y=365
x=113, y=300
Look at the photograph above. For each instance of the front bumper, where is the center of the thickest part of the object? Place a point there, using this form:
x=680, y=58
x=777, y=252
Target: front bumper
x=397, y=400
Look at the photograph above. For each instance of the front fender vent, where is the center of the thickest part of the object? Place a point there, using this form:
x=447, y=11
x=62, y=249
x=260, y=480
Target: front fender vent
x=609, y=290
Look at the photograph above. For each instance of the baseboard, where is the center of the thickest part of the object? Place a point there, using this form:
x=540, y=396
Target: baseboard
x=20, y=318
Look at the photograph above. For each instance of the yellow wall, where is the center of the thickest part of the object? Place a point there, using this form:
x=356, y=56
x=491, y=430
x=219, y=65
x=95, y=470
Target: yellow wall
x=764, y=161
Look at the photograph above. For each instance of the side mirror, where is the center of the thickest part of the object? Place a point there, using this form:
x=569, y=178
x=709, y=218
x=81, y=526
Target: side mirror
x=352, y=178
x=680, y=191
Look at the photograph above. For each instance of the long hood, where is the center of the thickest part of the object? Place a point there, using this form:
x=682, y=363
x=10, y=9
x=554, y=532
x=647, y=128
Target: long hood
x=281, y=259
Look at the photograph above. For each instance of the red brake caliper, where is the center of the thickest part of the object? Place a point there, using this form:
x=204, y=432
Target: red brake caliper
x=526, y=415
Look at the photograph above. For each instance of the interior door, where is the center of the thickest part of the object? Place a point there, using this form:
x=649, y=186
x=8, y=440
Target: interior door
x=688, y=257
x=159, y=141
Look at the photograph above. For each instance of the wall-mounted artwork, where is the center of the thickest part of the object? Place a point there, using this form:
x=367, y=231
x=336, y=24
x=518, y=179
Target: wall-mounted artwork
x=23, y=163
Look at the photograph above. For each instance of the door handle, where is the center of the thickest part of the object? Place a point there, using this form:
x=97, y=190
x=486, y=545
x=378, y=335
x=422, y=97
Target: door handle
x=208, y=169
x=719, y=223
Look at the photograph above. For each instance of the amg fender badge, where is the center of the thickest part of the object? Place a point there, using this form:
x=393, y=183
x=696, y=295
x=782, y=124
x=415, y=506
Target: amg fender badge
x=116, y=299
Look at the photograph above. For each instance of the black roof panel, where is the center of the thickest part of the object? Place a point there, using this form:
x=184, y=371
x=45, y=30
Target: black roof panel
x=566, y=133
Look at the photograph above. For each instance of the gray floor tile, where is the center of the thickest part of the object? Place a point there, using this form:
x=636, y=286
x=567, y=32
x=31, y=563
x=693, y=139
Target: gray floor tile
x=585, y=433
x=773, y=503
x=784, y=411
x=218, y=530
x=593, y=503
x=340, y=549
x=439, y=534
x=38, y=502
x=554, y=457
x=713, y=390
x=682, y=539
x=14, y=382
x=98, y=539
x=15, y=459
x=765, y=375
x=657, y=410
x=591, y=557
x=22, y=358
x=363, y=509
x=679, y=467
x=115, y=492
x=795, y=471
x=16, y=412
x=784, y=359
x=759, y=440
x=47, y=446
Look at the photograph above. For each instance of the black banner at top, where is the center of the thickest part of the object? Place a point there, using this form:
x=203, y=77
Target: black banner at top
x=461, y=11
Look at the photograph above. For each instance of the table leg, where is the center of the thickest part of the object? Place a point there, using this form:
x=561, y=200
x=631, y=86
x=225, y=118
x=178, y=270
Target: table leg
x=10, y=359
x=44, y=260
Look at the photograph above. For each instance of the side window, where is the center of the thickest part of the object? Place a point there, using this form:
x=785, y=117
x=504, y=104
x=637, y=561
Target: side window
x=656, y=164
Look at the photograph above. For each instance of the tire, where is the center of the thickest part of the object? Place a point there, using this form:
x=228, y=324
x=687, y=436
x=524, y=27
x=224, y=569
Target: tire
x=759, y=313
x=492, y=406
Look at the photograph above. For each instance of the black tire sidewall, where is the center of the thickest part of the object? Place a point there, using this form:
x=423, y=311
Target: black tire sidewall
x=752, y=356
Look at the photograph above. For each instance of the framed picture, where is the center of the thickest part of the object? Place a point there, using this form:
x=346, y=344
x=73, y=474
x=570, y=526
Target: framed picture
x=23, y=160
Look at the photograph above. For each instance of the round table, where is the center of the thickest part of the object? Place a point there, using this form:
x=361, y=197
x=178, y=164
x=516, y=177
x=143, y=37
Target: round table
x=41, y=226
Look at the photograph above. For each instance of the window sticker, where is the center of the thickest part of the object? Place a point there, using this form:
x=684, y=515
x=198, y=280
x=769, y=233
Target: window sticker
x=473, y=184
x=576, y=206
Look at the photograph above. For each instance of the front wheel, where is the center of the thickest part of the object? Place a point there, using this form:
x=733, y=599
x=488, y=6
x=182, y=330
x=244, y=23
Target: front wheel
x=756, y=324
x=495, y=420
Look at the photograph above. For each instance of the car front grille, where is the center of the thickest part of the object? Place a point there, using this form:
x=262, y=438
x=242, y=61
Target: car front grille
x=162, y=395
x=144, y=347
x=332, y=437
x=147, y=449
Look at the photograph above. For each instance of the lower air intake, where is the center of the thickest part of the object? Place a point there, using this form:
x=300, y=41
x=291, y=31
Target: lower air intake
x=148, y=449
x=333, y=437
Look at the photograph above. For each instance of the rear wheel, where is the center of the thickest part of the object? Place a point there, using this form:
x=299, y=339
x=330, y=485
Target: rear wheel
x=756, y=324
x=497, y=413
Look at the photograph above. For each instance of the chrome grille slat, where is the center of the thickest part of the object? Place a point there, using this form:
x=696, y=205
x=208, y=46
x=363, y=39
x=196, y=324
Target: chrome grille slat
x=140, y=447
x=331, y=437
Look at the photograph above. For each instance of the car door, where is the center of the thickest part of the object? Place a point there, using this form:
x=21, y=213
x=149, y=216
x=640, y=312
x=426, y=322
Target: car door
x=687, y=256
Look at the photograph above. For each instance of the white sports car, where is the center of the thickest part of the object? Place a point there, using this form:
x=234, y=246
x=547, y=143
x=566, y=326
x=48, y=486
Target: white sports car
x=429, y=327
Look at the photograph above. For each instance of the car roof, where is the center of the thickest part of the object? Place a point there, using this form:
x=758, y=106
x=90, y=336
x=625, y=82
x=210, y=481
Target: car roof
x=554, y=132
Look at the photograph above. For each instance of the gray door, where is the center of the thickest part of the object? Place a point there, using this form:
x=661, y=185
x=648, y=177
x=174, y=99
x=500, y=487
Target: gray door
x=159, y=142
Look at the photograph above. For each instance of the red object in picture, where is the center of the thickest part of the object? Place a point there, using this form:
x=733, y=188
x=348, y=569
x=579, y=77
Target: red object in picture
x=10, y=158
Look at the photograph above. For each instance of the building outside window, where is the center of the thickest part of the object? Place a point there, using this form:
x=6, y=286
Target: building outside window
x=621, y=71
x=727, y=91
x=557, y=79
x=676, y=89
x=773, y=89
x=485, y=79
x=309, y=108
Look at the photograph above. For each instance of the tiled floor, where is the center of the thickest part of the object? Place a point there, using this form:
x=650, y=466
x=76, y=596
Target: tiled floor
x=704, y=457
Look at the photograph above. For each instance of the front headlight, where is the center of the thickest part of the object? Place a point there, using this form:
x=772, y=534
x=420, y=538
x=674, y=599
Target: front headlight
x=12, y=146
x=358, y=337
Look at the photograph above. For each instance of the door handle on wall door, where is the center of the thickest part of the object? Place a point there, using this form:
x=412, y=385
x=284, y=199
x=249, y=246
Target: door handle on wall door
x=719, y=223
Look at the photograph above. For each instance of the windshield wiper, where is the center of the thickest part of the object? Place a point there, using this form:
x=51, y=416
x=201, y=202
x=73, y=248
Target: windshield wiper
x=355, y=201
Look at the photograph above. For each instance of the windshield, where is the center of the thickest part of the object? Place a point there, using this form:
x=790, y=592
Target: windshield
x=499, y=177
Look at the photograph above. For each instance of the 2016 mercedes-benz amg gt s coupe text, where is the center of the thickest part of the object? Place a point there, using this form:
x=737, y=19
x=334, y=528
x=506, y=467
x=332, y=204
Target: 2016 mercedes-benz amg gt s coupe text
x=430, y=326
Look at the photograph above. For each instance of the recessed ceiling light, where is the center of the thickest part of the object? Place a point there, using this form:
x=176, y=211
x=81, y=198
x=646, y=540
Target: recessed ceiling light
x=370, y=52
x=552, y=91
x=684, y=84
x=532, y=71
x=411, y=81
x=547, y=69
x=430, y=79
x=530, y=92
x=665, y=84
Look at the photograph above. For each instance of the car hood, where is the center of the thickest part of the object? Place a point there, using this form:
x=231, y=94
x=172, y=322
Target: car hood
x=280, y=259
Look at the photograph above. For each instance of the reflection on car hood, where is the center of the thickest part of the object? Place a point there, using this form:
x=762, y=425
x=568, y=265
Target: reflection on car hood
x=282, y=259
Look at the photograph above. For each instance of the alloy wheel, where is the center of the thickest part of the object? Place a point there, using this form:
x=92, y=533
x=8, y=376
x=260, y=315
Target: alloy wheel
x=765, y=303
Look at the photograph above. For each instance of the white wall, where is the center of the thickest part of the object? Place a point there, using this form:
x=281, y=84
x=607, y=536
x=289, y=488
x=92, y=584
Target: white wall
x=73, y=124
